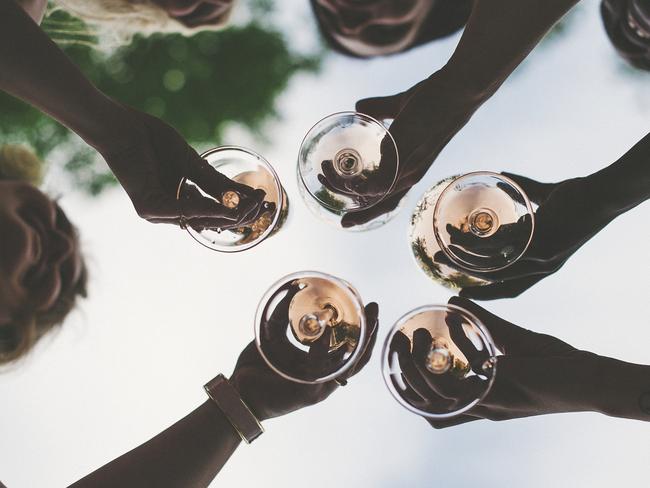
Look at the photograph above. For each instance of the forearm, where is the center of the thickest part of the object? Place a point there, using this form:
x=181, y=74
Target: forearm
x=189, y=454
x=497, y=38
x=623, y=389
x=626, y=183
x=35, y=70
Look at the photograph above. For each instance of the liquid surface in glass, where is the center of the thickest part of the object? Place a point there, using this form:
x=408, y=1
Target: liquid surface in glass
x=310, y=327
x=439, y=361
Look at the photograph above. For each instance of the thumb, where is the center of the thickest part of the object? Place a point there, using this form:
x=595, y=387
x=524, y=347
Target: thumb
x=360, y=217
x=380, y=107
x=537, y=192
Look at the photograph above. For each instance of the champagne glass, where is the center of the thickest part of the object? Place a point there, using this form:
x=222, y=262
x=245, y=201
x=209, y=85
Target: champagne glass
x=347, y=162
x=310, y=327
x=248, y=168
x=468, y=226
x=439, y=361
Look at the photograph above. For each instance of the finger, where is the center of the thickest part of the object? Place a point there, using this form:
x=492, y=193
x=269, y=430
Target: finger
x=507, y=336
x=502, y=289
x=412, y=377
x=193, y=204
x=380, y=107
x=443, y=424
x=537, y=192
x=212, y=181
x=421, y=347
x=276, y=326
x=209, y=223
x=445, y=385
x=337, y=182
x=457, y=333
x=350, y=219
x=372, y=312
x=319, y=350
x=334, y=189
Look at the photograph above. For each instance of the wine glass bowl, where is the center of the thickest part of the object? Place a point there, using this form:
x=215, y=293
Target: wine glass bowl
x=248, y=168
x=347, y=161
x=439, y=361
x=310, y=327
x=468, y=226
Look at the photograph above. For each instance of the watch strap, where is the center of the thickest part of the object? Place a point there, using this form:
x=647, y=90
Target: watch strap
x=236, y=411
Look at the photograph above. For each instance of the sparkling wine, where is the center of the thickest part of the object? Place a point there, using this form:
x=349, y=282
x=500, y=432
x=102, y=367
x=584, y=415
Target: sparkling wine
x=466, y=226
x=458, y=368
x=309, y=326
x=347, y=162
x=251, y=169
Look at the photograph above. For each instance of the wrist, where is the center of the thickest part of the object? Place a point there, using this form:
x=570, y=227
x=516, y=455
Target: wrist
x=246, y=390
x=235, y=409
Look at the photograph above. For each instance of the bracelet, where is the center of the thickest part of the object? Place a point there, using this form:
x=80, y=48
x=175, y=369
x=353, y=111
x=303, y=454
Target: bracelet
x=236, y=411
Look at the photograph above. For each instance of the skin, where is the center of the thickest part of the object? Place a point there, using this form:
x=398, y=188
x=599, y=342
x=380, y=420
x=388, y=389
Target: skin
x=564, y=223
x=374, y=27
x=190, y=453
x=497, y=38
x=40, y=258
x=147, y=156
x=537, y=375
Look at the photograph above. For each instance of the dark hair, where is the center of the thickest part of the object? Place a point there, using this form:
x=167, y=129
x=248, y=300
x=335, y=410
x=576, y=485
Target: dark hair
x=627, y=42
x=18, y=163
x=444, y=19
x=19, y=336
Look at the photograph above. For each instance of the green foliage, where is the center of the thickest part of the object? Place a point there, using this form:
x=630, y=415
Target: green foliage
x=198, y=84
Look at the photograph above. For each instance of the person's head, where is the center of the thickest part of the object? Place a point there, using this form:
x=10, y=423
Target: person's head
x=122, y=19
x=41, y=268
x=627, y=23
x=367, y=28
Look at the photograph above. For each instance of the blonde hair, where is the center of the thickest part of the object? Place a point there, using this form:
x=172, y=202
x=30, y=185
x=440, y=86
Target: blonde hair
x=116, y=22
x=18, y=162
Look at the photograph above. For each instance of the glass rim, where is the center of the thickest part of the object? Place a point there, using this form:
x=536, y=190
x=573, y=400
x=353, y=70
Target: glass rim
x=278, y=185
x=474, y=320
x=443, y=246
x=358, y=303
x=351, y=113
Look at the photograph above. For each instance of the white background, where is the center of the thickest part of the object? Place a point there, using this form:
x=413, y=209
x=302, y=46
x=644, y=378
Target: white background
x=165, y=315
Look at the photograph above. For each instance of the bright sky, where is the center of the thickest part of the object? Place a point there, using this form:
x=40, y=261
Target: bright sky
x=165, y=315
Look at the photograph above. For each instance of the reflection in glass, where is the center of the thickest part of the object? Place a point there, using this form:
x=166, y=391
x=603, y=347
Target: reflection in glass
x=347, y=162
x=248, y=168
x=468, y=226
x=439, y=361
x=310, y=327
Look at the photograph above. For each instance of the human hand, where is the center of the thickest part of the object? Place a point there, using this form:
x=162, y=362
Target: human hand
x=568, y=215
x=270, y=395
x=426, y=117
x=150, y=162
x=536, y=375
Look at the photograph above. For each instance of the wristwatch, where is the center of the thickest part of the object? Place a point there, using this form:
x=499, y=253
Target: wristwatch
x=236, y=411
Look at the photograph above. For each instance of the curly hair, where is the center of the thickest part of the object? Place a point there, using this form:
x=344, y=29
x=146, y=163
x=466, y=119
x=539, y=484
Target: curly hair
x=116, y=22
x=445, y=18
x=616, y=15
x=18, y=163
